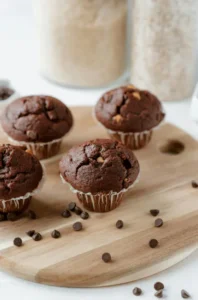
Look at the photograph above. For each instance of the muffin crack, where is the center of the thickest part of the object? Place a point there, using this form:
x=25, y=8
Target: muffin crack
x=85, y=162
x=119, y=107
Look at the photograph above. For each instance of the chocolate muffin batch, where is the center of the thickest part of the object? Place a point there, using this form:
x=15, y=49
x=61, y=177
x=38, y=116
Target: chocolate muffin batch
x=100, y=171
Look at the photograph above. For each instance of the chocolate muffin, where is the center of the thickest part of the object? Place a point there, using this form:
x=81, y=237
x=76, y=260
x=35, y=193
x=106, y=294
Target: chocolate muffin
x=100, y=172
x=20, y=176
x=130, y=115
x=37, y=122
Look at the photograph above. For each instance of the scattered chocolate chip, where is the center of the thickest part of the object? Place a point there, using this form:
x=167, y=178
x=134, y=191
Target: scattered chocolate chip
x=66, y=213
x=119, y=224
x=5, y=93
x=84, y=215
x=30, y=233
x=72, y=206
x=159, y=294
x=18, y=242
x=194, y=184
x=55, y=234
x=37, y=236
x=31, y=215
x=158, y=286
x=185, y=294
x=77, y=226
x=12, y=217
x=137, y=291
x=2, y=217
x=106, y=257
x=154, y=212
x=153, y=243
x=78, y=210
x=159, y=223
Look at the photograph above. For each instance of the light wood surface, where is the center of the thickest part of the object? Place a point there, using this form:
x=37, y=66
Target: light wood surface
x=75, y=259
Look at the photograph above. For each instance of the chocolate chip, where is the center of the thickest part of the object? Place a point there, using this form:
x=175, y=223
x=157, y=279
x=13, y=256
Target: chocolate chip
x=109, y=98
x=66, y=213
x=158, y=286
x=37, y=236
x=194, y=184
x=12, y=217
x=30, y=233
x=2, y=217
x=154, y=212
x=52, y=115
x=153, y=243
x=119, y=224
x=78, y=210
x=137, y=291
x=31, y=215
x=106, y=257
x=159, y=223
x=72, y=206
x=77, y=226
x=185, y=294
x=55, y=234
x=31, y=134
x=159, y=294
x=18, y=242
x=84, y=215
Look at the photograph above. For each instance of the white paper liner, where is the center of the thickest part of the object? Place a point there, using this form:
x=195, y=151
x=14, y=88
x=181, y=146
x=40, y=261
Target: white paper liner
x=17, y=200
x=134, y=140
x=38, y=148
x=105, y=202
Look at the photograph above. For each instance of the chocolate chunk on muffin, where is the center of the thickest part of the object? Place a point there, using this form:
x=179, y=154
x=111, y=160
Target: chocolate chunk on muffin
x=20, y=176
x=38, y=122
x=100, y=172
x=129, y=114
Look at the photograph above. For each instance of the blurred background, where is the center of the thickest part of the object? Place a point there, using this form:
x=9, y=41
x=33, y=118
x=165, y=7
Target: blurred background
x=19, y=55
x=84, y=44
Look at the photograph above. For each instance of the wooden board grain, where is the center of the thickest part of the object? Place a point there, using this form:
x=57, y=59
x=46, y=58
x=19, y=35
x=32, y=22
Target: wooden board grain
x=75, y=259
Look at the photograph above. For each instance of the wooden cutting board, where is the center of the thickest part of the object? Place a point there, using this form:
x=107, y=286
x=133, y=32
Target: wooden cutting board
x=75, y=259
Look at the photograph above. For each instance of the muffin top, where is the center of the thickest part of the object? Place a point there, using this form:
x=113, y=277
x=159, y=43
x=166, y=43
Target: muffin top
x=20, y=172
x=36, y=119
x=101, y=165
x=128, y=109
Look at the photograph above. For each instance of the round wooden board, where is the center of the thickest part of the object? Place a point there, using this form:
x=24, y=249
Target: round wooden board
x=75, y=259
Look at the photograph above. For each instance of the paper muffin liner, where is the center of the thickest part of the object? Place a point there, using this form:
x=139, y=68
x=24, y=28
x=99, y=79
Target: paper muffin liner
x=40, y=150
x=133, y=140
x=20, y=204
x=101, y=202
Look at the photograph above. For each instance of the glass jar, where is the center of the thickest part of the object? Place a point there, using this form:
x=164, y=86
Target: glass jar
x=164, y=47
x=82, y=42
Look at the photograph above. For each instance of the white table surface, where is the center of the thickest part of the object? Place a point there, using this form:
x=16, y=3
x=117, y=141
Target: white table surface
x=18, y=63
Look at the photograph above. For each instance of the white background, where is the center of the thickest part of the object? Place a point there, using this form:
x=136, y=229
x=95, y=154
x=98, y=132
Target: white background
x=18, y=63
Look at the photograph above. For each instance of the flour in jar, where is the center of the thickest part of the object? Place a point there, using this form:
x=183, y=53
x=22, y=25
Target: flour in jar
x=82, y=42
x=164, y=36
